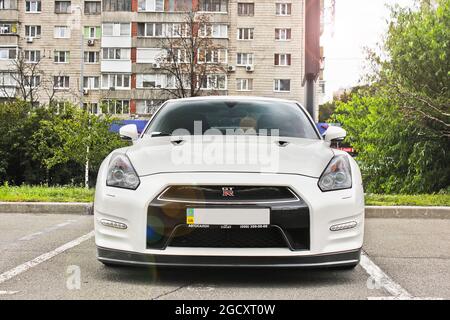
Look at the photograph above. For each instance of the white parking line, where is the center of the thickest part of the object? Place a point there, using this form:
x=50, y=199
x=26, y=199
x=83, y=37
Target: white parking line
x=42, y=258
x=8, y=293
x=46, y=230
x=380, y=280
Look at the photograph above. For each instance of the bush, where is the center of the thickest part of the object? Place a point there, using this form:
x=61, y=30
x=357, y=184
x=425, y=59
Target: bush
x=41, y=146
x=395, y=154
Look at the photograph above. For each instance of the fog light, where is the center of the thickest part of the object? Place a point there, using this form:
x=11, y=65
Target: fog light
x=344, y=226
x=113, y=224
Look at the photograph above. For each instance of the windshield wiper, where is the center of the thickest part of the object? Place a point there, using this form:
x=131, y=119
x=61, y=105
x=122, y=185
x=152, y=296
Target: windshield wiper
x=160, y=134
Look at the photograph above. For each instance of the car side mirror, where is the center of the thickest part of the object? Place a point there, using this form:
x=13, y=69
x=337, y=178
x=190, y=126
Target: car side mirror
x=129, y=132
x=335, y=134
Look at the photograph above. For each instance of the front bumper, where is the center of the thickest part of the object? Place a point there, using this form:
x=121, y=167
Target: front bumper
x=346, y=258
x=325, y=210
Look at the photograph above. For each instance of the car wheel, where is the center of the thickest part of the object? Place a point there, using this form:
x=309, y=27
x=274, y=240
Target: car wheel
x=110, y=265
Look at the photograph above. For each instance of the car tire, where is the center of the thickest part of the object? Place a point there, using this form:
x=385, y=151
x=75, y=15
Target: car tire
x=110, y=265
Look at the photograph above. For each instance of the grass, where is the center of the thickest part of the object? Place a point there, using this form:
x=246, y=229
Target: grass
x=426, y=200
x=77, y=194
x=45, y=194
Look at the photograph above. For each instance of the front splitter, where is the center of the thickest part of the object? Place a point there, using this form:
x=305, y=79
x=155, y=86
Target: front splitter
x=346, y=258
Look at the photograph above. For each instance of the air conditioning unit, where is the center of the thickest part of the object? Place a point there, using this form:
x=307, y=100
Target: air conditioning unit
x=249, y=68
x=85, y=92
x=156, y=66
x=91, y=42
x=231, y=68
x=30, y=40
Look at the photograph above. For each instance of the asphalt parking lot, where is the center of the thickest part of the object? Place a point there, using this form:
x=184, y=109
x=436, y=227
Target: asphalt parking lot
x=43, y=256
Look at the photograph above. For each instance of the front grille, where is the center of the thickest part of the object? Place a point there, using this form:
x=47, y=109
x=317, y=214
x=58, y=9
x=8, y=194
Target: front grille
x=228, y=194
x=228, y=238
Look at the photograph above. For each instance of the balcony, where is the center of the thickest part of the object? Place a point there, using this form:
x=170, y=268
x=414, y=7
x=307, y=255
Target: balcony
x=116, y=42
x=7, y=64
x=8, y=92
x=117, y=66
x=9, y=40
x=9, y=15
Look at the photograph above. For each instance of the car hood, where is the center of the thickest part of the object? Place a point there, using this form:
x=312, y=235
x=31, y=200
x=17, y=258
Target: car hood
x=239, y=154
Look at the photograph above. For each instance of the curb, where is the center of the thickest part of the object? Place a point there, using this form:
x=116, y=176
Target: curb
x=408, y=212
x=47, y=208
x=88, y=209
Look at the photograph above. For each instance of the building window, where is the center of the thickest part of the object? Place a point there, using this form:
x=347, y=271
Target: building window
x=213, y=56
x=151, y=5
x=8, y=53
x=148, y=106
x=91, y=83
x=116, y=81
x=179, y=5
x=149, y=55
x=62, y=7
x=245, y=33
x=33, y=81
x=214, y=30
x=214, y=82
x=177, y=55
x=151, y=81
x=282, y=85
x=244, y=59
x=91, y=107
x=283, y=9
x=214, y=5
x=33, y=6
x=117, y=5
x=116, y=54
x=91, y=57
x=244, y=84
x=283, y=34
x=116, y=106
x=175, y=30
x=61, y=32
x=61, y=57
x=116, y=29
x=92, y=7
x=246, y=9
x=61, y=82
x=7, y=79
x=92, y=32
x=32, y=56
x=33, y=31
x=151, y=30
x=8, y=28
x=282, y=59
x=8, y=4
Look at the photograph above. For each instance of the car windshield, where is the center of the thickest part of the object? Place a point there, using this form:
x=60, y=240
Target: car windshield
x=198, y=117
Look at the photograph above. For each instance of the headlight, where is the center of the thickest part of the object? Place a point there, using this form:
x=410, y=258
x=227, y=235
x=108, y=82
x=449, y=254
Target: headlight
x=121, y=173
x=337, y=175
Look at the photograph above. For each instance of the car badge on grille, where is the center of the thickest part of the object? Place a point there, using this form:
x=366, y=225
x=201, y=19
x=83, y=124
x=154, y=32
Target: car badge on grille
x=227, y=192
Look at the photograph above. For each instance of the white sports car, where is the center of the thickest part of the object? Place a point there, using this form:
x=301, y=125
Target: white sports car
x=230, y=181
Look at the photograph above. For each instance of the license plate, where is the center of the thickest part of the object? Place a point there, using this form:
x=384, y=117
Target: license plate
x=228, y=217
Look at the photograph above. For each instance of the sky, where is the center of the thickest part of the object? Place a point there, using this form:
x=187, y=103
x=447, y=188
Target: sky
x=358, y=24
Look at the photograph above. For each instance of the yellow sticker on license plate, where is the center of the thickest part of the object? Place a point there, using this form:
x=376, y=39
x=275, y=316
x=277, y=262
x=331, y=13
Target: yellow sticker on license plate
x=190, y=216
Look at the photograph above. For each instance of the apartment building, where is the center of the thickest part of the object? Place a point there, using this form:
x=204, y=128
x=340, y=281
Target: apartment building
x=105, y=55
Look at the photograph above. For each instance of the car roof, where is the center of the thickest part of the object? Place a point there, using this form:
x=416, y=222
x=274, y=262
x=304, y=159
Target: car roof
x=232, y=98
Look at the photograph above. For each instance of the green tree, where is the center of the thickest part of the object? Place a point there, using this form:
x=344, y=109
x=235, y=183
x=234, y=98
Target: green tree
x=416, y=72
x=76, y=136
x=326, y=110
x=395, y=155
x=18, y=122
x=400, y=125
